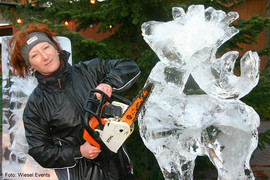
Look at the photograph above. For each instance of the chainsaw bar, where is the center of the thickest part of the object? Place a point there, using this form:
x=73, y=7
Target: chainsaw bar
x=133, y=110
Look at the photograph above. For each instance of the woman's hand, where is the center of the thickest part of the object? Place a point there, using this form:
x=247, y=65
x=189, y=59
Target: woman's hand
x=107, y=89
x=88, y=151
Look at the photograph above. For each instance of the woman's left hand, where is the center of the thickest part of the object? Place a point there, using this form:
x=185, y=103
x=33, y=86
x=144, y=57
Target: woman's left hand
x=107, y=89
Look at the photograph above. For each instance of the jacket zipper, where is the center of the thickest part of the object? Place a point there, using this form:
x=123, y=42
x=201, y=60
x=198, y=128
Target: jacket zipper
x=79, y=107
x=59, y=83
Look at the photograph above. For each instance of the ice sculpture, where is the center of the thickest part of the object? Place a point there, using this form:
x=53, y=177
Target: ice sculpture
x=177, y=127
x=16, y=163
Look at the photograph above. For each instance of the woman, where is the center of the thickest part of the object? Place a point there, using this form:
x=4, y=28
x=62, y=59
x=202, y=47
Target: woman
x=54, y=112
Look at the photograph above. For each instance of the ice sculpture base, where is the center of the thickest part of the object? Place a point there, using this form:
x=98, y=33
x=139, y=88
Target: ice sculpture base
x=199, y=126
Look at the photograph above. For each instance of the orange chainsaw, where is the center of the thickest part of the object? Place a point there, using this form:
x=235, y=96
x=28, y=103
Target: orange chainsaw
x=108, y=124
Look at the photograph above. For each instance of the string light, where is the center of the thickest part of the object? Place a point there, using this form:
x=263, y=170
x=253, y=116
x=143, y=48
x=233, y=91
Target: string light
x=66, y=23
x=19, y=20
x=92, y=1
x=110, y=26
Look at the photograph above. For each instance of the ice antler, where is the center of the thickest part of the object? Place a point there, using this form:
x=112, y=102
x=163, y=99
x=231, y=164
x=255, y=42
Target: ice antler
x=216, y=76
x=192, y=40
x=179, y=39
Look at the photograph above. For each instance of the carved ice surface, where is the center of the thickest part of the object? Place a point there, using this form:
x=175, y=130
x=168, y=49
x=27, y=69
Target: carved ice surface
x=177, y=127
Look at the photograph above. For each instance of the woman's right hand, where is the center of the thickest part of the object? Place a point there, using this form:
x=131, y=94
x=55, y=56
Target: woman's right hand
x=88, y=151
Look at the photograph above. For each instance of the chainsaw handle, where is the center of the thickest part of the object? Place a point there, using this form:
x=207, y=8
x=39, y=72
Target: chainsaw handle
x=89, y=111
x=94, y=107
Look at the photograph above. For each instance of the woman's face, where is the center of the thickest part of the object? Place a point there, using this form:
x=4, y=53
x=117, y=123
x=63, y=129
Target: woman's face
x=44, y=58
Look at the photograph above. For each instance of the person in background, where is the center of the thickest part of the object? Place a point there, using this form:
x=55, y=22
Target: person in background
x=55, y=110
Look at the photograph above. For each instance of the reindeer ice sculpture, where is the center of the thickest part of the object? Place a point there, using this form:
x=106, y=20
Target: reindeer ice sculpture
x=177, y=127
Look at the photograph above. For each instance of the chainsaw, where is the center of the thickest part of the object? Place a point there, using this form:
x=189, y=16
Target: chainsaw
x=109, y=123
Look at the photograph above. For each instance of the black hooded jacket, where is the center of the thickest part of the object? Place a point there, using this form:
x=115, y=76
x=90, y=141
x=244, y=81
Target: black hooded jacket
x=54, y=112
